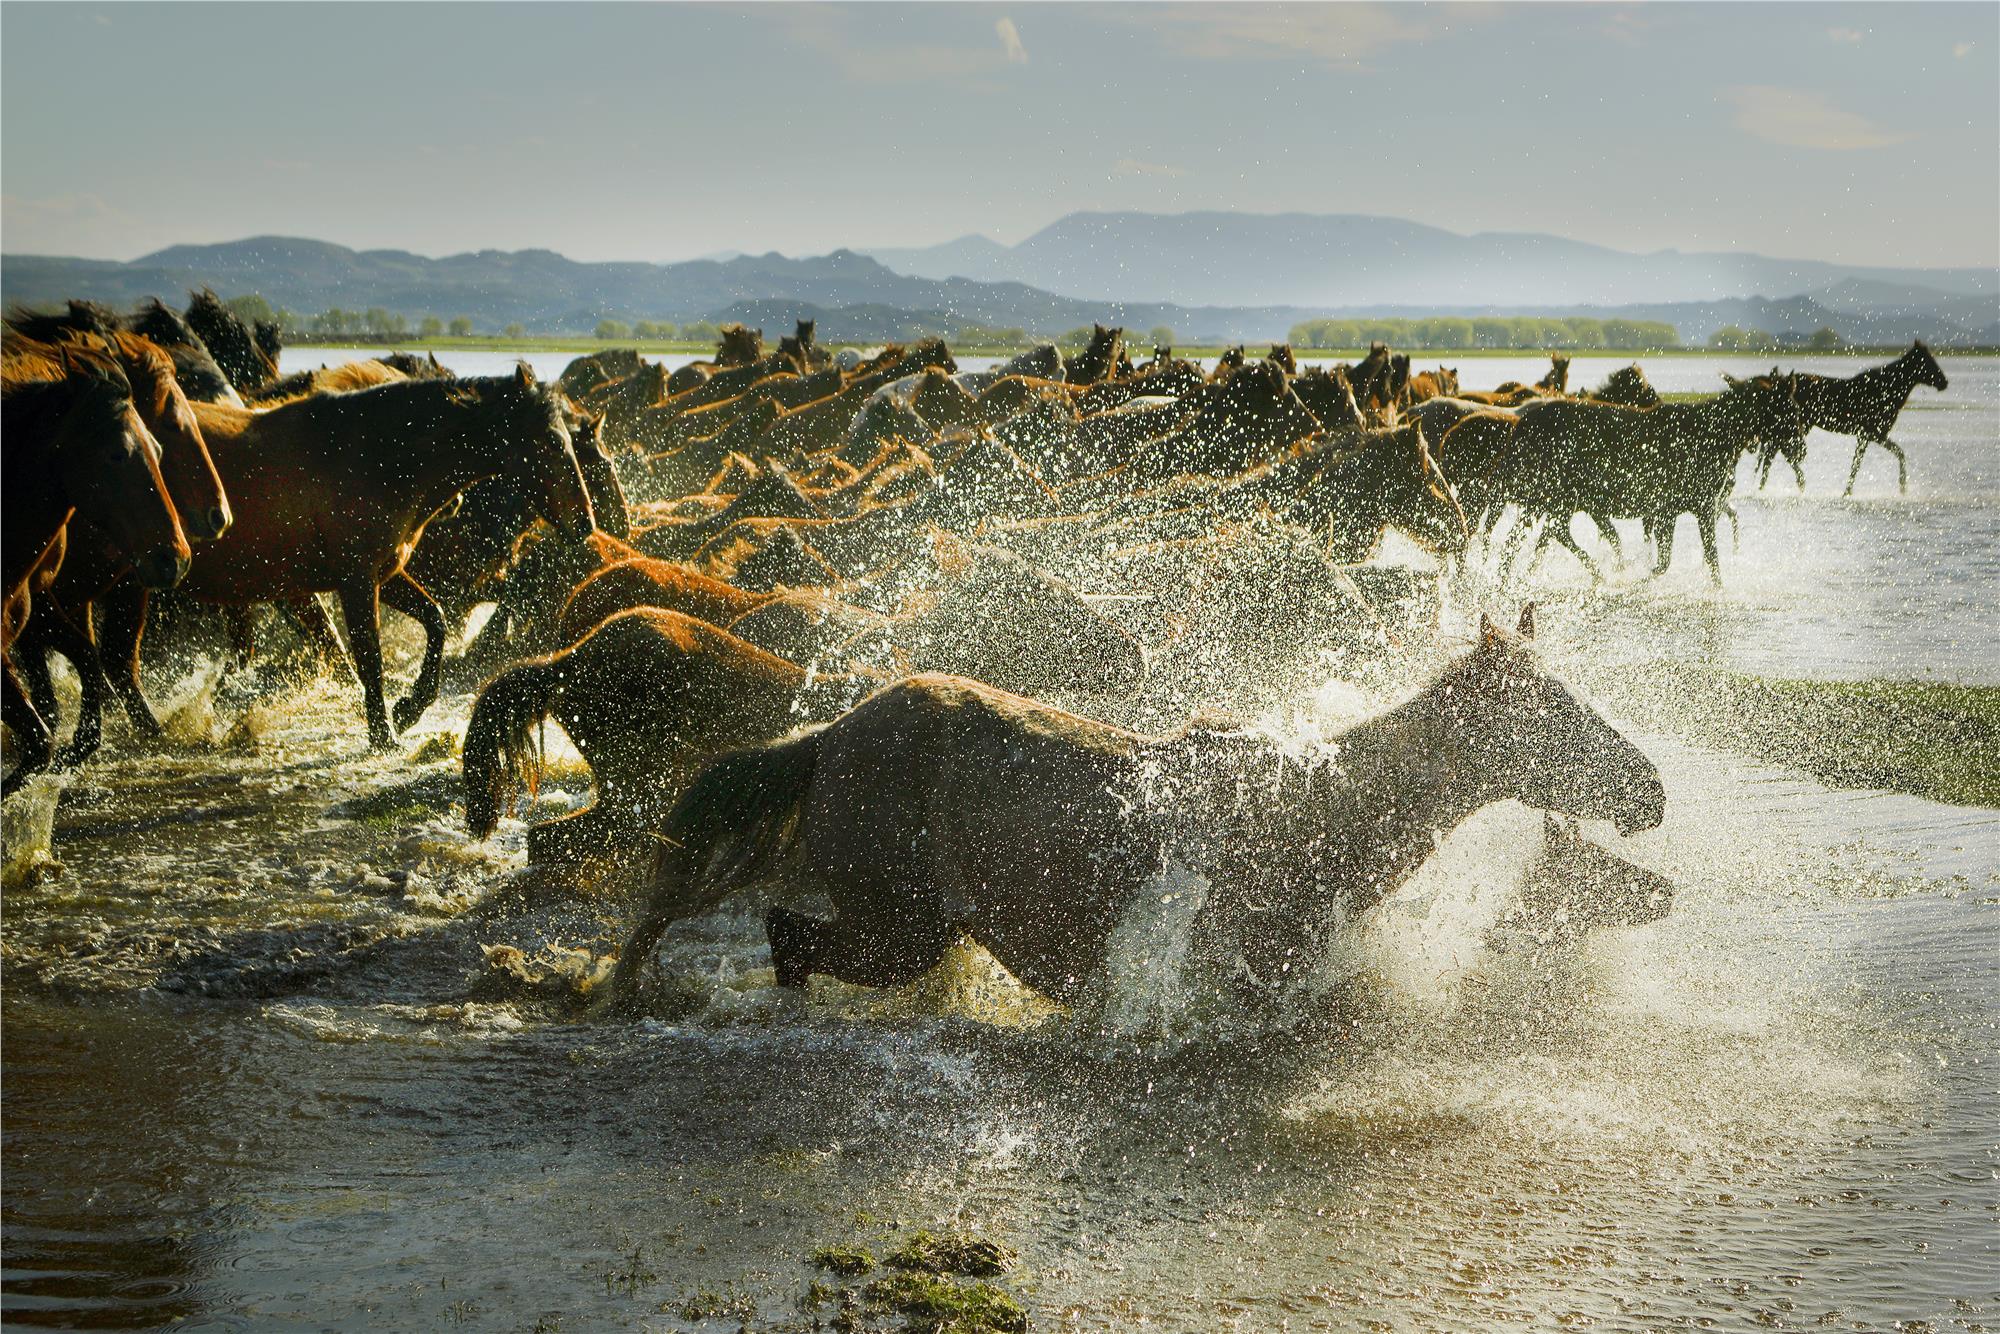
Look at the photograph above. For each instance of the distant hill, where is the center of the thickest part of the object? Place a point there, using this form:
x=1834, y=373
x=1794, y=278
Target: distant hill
x=1360, y=260
x=859, y=297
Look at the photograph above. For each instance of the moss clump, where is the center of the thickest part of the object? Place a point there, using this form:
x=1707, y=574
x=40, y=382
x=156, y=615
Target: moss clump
x=933, y=1305
x=844, y=1260
x=952, y=1253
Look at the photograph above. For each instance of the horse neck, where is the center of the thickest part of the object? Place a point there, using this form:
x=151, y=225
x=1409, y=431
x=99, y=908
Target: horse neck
x=1898, y=379
x=1399, y=783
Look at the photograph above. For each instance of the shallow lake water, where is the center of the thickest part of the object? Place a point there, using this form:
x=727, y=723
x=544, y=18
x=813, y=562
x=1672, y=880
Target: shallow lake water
x=261, y=1070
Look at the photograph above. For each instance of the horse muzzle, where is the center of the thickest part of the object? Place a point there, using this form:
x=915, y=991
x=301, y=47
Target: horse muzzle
x=162, y=568
x=1641, y=806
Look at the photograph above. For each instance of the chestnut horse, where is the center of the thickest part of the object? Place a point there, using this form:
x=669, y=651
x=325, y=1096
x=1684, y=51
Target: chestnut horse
x=941, y=808
x=336, y=490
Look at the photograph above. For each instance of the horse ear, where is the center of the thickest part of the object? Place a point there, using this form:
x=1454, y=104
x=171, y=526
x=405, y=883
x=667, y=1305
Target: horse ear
x=1489, y=633
x=524, y=375
x=1526, y=629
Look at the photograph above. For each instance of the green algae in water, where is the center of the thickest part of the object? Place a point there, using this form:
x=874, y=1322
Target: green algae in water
x=952, y=1253
x=844, y=1260
x=934, y=1305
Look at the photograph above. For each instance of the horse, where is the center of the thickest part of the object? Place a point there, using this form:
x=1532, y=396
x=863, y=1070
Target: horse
x=75, y=446
x=1568, y=457
x=801, y=348
x=1440, y=383
x=1576, y=887
x=336, y=490
x=1282, y=354
x=89, y=561
x=231, y=342
x=647, y=697
x=981, y=612
x=342, y=379
x=1866, y=406
x=1232, y=360
x=199, y=377
x=415, y=367
x=1098, y=361
x=587, y=374
x=1253, y=417
x=1625, y=387
x=941, y=808
x=465, y=551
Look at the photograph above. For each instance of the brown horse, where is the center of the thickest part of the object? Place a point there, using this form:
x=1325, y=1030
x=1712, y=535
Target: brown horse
x=941, y=809
x=1440, y=383
x=74, y=446
x=1254, y=417
x=89, y=561
x=1576, y=887
x=336, y=490
x=646, y=697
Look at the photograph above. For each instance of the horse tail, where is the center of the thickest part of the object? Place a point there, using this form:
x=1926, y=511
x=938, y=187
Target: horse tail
x=502, y=742
x=732, y=826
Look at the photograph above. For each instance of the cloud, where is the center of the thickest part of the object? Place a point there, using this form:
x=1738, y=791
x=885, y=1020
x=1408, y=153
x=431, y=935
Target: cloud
x=1797, y=118
x=1961, y=50
x=1336, y=36
x=869, y=57
x=1131, y=166
x=1847, y=35
x=1010, y=41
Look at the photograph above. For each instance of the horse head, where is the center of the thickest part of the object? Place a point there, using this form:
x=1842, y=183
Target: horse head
x=1522, y=734
x=1928, y=370
x=739, y=346
x=1578, y=886
x=110, y=467
x=534, y=429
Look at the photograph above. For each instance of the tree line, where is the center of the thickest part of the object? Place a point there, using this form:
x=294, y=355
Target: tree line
x=1452, y=332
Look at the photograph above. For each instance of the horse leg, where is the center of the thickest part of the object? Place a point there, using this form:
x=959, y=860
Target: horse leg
x=1663, y=529
x=360, y=604
x=1902, y=464
x=311, y=619
x=1568, y=539
x=1705, y=521
x=1860, y=448
x=408, y=596
x=1609, y=532
x=1510, y=546
x=124, y=628
x=30, y=650
x=881, y=950
x=31, y=734
x=56, y=631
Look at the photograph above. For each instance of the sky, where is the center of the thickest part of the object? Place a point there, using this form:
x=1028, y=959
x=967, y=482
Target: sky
x=1858, y=133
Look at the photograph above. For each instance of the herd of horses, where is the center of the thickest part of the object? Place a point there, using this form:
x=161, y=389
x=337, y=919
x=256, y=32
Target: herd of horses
x=975, y=592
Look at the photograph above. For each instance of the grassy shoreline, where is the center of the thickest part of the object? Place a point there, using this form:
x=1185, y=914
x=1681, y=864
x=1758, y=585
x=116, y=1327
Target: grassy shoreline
x=1927, y=739
x=681, y=347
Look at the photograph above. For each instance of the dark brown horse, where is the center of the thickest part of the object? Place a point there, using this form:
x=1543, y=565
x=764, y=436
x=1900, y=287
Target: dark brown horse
x=941, y=809
x=90, y=561
x=647, y=697
x=1098, y=361
x=74, y=446
x=1866, y=406
x=231, y=342
x=336, y=489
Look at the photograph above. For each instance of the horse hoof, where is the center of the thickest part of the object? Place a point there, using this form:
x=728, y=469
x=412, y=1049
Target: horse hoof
x=406, y=713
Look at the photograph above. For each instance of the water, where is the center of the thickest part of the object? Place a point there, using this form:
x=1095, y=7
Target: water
x=270, y=1060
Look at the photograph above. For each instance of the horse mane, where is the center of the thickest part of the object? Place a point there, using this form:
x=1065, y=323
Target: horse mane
x=50, y=326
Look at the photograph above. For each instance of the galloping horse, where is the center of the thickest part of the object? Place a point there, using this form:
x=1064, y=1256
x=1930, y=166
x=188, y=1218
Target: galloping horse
x=941, y=808
x=336, y=490
x=1567, y=457
x=74, y=446
x=89, y=561
x=647, y=697
x=1866, y=406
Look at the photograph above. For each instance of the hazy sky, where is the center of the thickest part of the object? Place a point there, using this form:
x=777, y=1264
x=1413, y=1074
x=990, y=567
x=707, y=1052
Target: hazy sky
x=1860, y=133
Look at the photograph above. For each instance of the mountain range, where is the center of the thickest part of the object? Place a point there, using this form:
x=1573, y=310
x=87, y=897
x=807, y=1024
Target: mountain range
x=1211, y=277
x=1307, y=259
